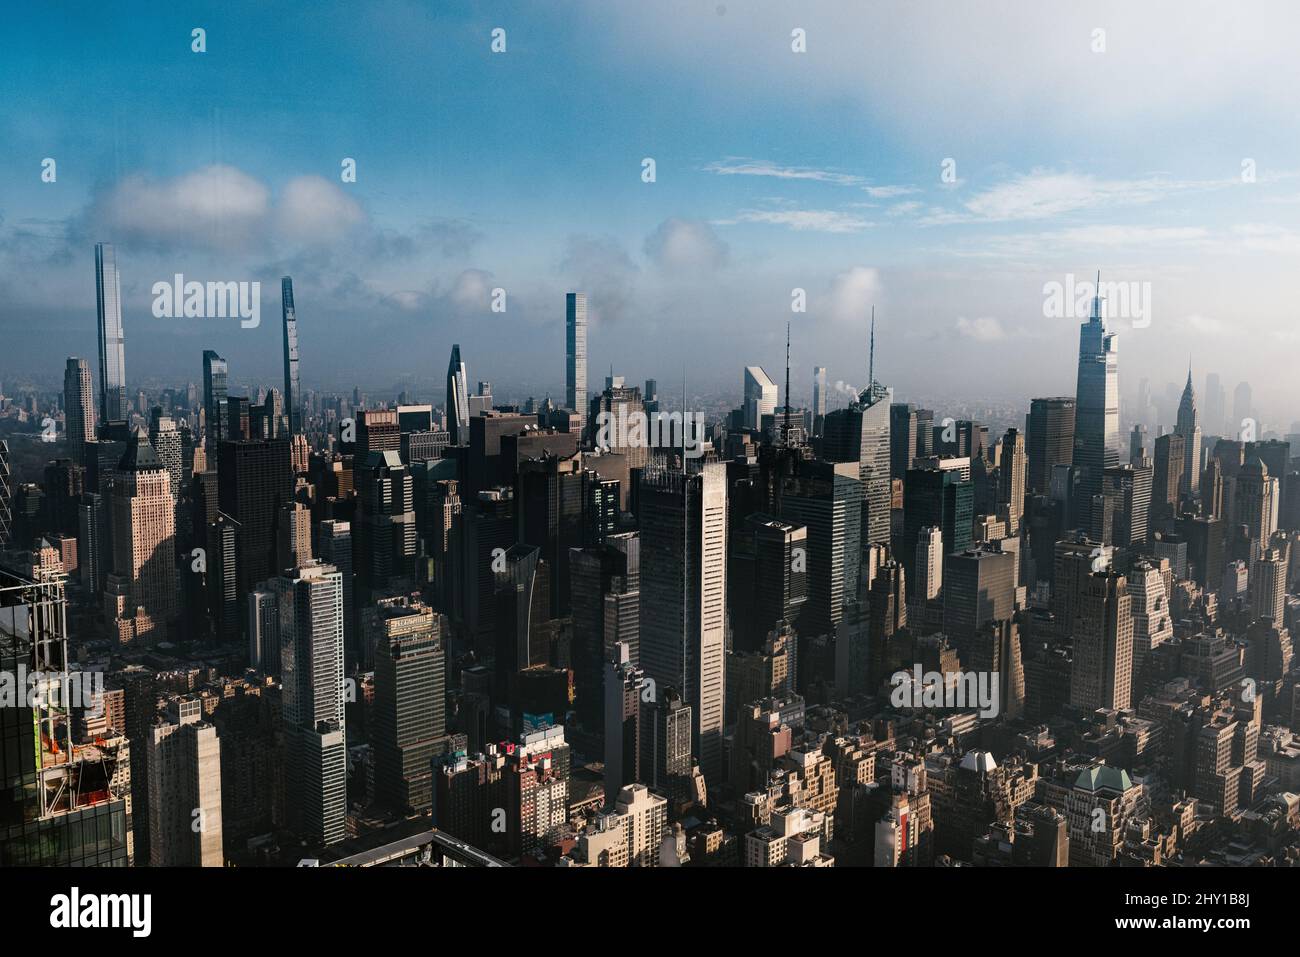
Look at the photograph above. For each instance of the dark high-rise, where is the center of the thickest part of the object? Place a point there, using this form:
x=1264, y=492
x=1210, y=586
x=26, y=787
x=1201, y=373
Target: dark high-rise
x=112, y=341
x=1050, y=439
x=457, y=399
x=78, y=407
x=938, y=498
x=214, y=402
x=292, y=385
x=767, y=582
x=255, y=481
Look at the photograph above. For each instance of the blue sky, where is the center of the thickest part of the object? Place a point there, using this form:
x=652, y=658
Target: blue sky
x=774, y=170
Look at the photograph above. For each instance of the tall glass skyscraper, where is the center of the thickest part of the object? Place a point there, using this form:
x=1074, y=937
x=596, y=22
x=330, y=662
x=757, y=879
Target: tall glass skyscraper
x=457, y=399
x=292, y=387
x=214, y=401
x=575, y=356
x=1188, y=428
x=1096, y=416
x=112, y=343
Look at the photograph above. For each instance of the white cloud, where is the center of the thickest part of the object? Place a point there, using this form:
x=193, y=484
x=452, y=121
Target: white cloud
x=812, y=220
x=889, y=192
x=313, y=210
x=983, y=329
x=742, y=167
x=215, y=205
x=853, y=293
x=686, y=245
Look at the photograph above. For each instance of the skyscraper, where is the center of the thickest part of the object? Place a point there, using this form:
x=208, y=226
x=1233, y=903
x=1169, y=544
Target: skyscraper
x=140, y=598
x=819, y=398
x=292, y=386
x=78, y=407
x=1011, y=474
x=1191, y=432
x=457, y=399
x=902, y=438
x=310, y=605
x=112, y=351
x=1102, y=630
x=410, y=703
x=184, y=789
x=860, y=433
x=575, y=356
x=624, y=686
x=760, y=396
x=215, y=409
x=1096, y=428
x=1049, y=440
x=684, y=595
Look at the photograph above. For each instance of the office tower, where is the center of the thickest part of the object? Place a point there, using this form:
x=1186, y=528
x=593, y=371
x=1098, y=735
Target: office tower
x=1011, y=479
x=293, y=536
x=902, y=438
x=1212, y=490
x=254, y=481
x=1169, y=459
x=166, y=441
x=624, y=686
x=767, y=579
x=684, y=595
x=378, y=430
x=549, y=505
x=613, y=412
x=631, y=833
x=1137, y=444
x=238, y=419
x=1277, y=456
x=860, y=433
x=1216, y=410
x=263, y=631
x=1049, y=441
x=929, y=563
x=825, y=499
x=760, y=397
x=1188, y=428
x=112, y=351
x=409, y=724
x=59, y=805
x=65, y=483
x=575, y=356
x=1254, y=501
x=666, y=763
x=1242, y=406
x=215, y=402
x=292, y=385
x=488, y=524
x=1149, y=585
x=936, y=498
x=335, y=545
x=386, y=539
x=1268, y=577
x=141, y=589
x=978, y=587
x=457, y=399
x=521, y=594
x=310, y=603
x=78, y=407
x=1101, y=675
x=1129, y=489
x=223, y=611
x=1096, y=426
x=184, y=789
x=605, y=594
x=819, y=398
x=887, y=614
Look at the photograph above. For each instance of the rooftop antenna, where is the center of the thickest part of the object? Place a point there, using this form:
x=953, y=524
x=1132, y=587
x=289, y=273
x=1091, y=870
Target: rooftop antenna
x=871, y=361
x=787, y=382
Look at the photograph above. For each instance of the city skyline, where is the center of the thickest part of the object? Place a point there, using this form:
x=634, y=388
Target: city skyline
x=675, y=268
